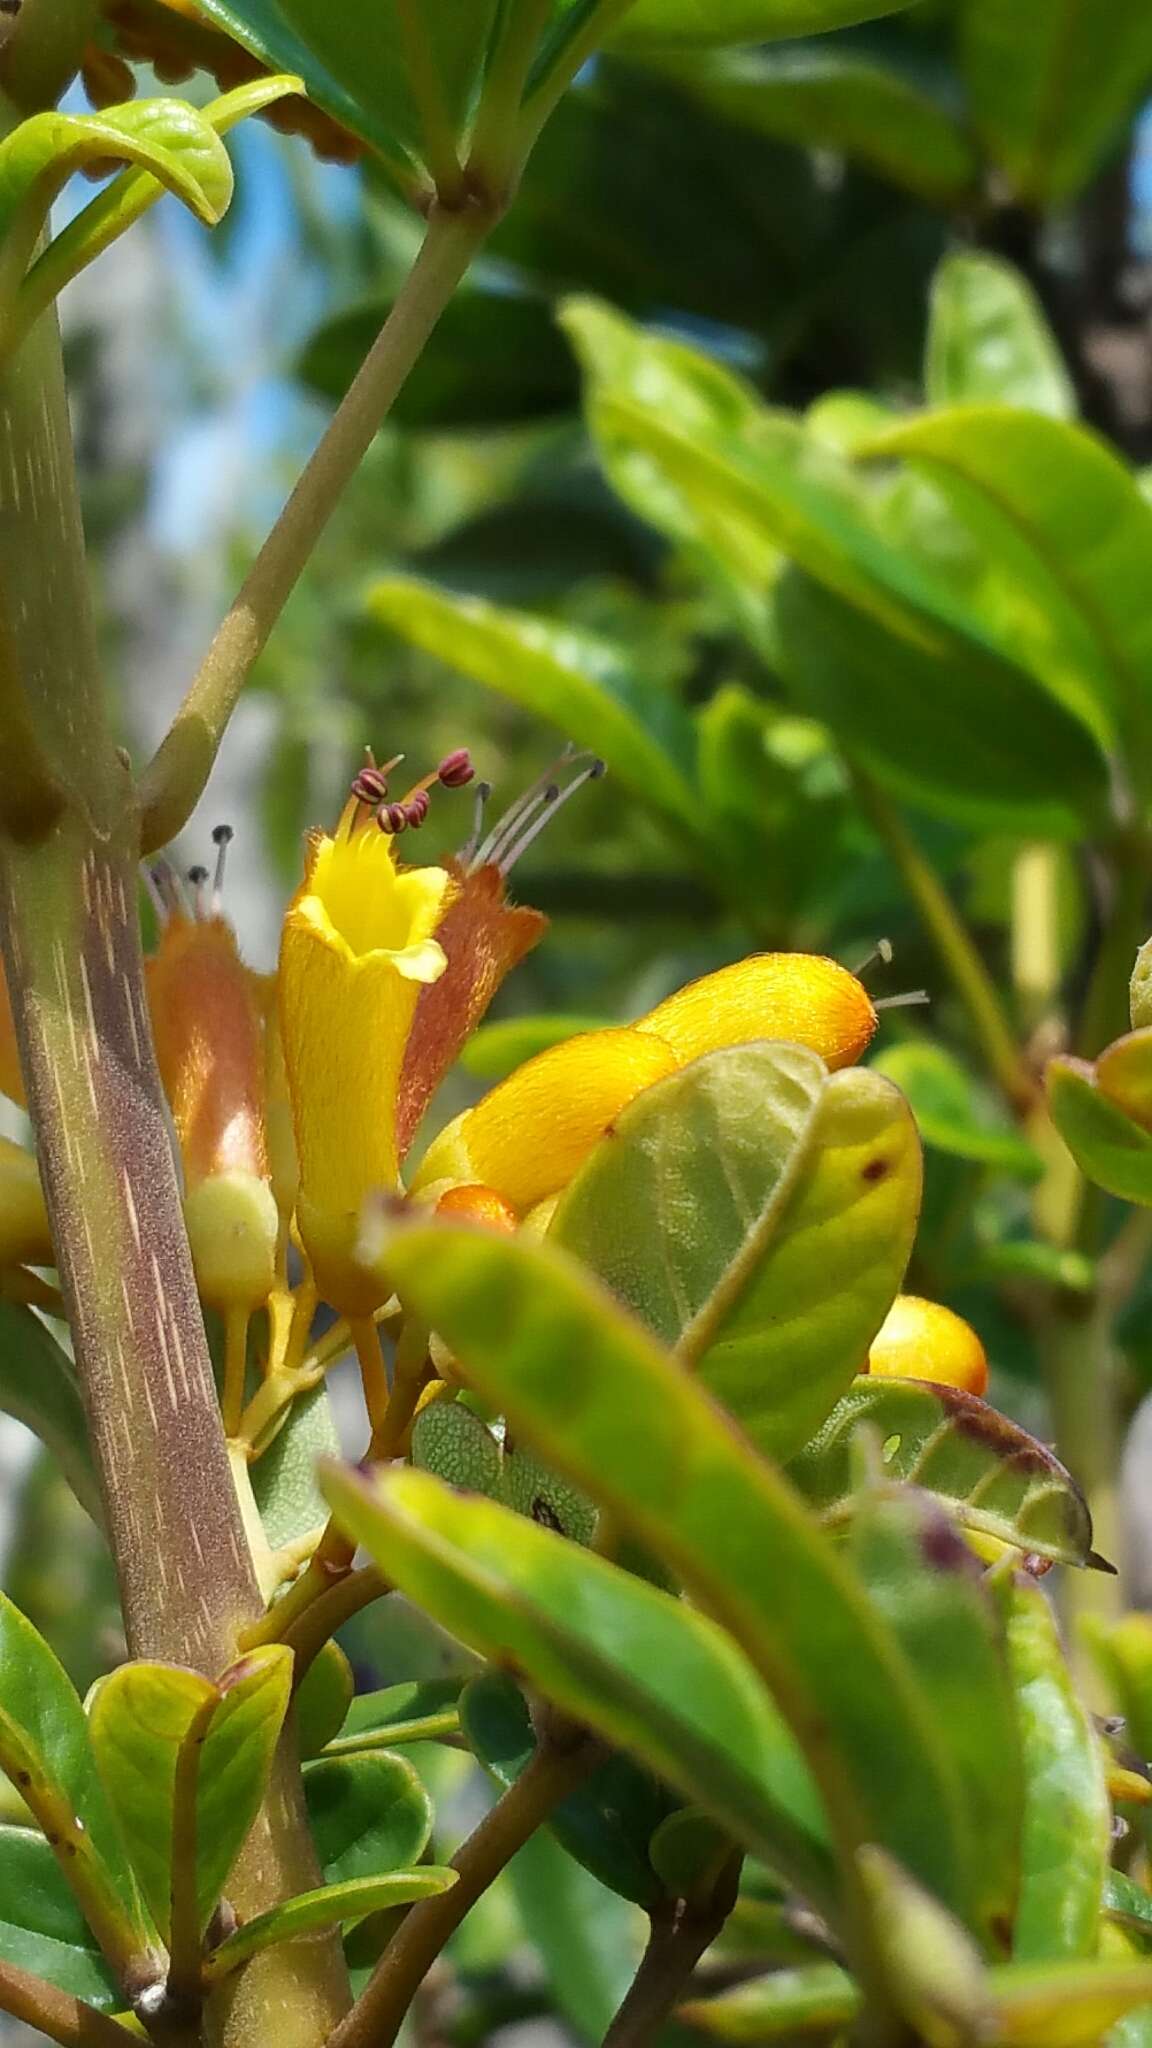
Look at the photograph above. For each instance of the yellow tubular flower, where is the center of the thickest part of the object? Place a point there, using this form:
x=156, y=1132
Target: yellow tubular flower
x=800, y=997
x=528, y=1136
x=356, y=950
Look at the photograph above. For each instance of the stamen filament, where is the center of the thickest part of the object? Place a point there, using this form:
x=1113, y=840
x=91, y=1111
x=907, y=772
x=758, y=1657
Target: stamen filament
x=511, y=854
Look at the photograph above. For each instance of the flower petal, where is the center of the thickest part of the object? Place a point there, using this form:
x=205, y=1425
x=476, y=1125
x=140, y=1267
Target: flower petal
x=801, y=998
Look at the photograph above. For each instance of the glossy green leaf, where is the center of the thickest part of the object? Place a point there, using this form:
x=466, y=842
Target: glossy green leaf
x=635, y=1664
x=584, y=685
x=452, y=1441
x=831, y=98
x=357, y=76
x=495, y=359
x=924, y=1580
x=992, y=1476
x=311, y=1912
x=142, y=1716
x=46, y=1751
x=1107, y=1146
x=1086, y=532
x=607, y=1823
x=1067, y=1816
x=496, y=1049
x=950, y=727
x=954, y=1111
x=1048, y=91
x=127, y=197
x=989, y=340
x=284, y=1476
x=664, y=24
x=38, y=1387
x=532, y=1489
x=41, y=1926
x=368, y=1814
x=819, y=2001
x=166, y=137
x=1129, y=1902
x=421, y=1710
x=585, y=1937
x=322, y=1700
x=619, y=358
x=606, y=1405
x=783, y=1202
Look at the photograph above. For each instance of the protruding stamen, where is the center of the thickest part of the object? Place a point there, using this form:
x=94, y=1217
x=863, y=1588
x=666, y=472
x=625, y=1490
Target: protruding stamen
x=370, y=786
x=513, y=818
x=510, y=853
x=163, y=887
x=197, y=878
x=222, y=838
x=907, y=1001
x=480, y=804
x=880, y=956
x=456, y=770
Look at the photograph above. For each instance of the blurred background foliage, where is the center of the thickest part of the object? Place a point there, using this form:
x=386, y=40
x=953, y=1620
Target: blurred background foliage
x=782, y=214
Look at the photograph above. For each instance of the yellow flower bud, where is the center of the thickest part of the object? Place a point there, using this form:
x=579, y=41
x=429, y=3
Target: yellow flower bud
x=802, y=998
x=528, y=1135
x=471, y=1203
x=923, y=1340
x=233, y=1225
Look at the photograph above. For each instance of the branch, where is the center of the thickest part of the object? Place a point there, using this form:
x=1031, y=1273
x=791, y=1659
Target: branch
x=56, y=2013
x=676, y=1945
x=171, y=785
x=555, y=1770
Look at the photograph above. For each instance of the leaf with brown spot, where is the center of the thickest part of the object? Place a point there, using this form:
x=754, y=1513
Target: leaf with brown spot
x=990, y=1474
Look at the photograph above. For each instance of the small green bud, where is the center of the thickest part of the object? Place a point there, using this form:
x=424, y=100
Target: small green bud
x=1140, y=988
x=233, y=1225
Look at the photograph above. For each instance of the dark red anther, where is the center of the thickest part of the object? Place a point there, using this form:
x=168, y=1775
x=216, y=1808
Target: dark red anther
x=369, y=786
x=456, y=770
x=417, y=807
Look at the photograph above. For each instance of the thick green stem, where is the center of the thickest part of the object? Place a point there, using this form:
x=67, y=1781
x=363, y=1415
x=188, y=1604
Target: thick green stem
x=970, y=977
x=72, y=952
x=173, y=781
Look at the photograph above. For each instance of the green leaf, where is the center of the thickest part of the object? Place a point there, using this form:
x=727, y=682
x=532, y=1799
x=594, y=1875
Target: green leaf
x=955, y=1113
x=46, y=1751
x=583, y=685
x=142, y=1716
x=819, y=2000
x=1048, y=92
x=311, y=1912
x=530, y=1488
x=284, y=1476
x=1107, y=1146
x=420, y=1711
x=1066, y=2005
x=453, y=1442
x=950, y=727
x=1085, y=536
x=991, y=1475
x=989, y=340
x=369, y=1814
x=831, y=98
x=127, y=197
x=603, y=1403
x=783, y=1203
x=688, y=1852
x=496, y=1049
x=38, y=1387
x=924, y=1580
x=323, y=1698
x=1067, y=1815
x=495, y=359
x=167, y=137
x=607, y=1823
x=633, y=1663
x=353, y=63
x=41, y=1926
x=582, y=1934
x=674, y=24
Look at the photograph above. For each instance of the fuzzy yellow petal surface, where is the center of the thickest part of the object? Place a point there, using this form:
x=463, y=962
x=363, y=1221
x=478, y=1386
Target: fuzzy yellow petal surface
x=355, y=891
x=802, y=998
x=923, y=1340
x=528, y=1136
